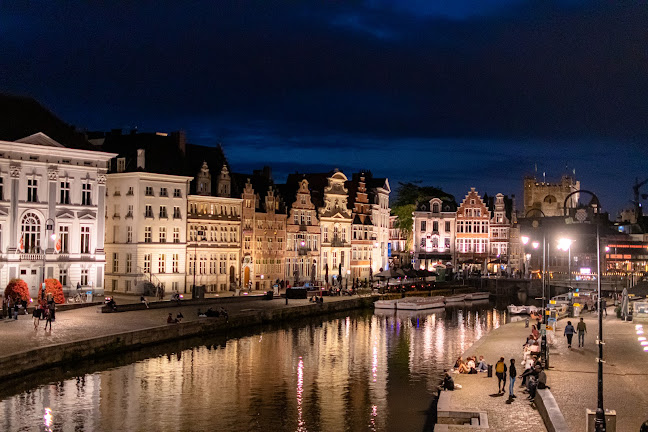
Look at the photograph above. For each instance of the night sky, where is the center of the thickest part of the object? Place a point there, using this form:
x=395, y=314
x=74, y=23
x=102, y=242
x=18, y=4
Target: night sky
x=453, y=93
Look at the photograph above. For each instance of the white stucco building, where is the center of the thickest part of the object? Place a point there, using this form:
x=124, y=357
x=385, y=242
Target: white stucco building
x=146, y=231
x=335, y=224
x=52, y=213
x=434, y=233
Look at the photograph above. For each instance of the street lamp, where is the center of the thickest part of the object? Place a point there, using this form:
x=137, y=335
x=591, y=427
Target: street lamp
x=565, y=244
x=49, y=226
x=199, y=236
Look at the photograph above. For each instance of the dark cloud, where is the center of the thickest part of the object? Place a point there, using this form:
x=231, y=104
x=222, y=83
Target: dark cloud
x=464, y=87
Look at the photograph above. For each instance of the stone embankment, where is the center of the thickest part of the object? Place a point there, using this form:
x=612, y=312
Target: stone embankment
x=41, y=357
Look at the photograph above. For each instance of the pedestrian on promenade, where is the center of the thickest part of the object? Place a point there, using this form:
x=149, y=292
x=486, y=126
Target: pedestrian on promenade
x=48, y=319
x=482, y=366
x=582, y=329
x=604, y=306
x=569, y=333
x=500, y=371
x=16, y=309
x=37, y=315
x=512, y=376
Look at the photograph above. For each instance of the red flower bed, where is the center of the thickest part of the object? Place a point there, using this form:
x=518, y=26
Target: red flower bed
x=17, y=289
x=54, y=287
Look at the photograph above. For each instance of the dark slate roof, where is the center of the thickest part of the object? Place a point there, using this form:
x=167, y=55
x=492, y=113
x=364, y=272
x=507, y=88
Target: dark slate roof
x=24, y=116
x=163, y=153
x=261, y=181
x=316, y=183
x=447, y=204
x=215, y=158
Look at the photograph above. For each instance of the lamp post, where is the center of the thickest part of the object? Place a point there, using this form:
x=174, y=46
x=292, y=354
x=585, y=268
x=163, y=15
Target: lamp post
x=199, y=235
x=525, y=241
x=49, y=226
x=565, y=244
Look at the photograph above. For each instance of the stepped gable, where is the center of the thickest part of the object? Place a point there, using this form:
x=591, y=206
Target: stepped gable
x=508, y=204
x=24, y=116
x=316, y=183
x=261, y=181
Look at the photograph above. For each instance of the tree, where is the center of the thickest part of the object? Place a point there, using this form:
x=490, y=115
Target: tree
x=54, y=287
x=17, y=289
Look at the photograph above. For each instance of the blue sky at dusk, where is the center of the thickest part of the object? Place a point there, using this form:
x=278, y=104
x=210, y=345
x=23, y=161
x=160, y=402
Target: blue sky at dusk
x=455, y=94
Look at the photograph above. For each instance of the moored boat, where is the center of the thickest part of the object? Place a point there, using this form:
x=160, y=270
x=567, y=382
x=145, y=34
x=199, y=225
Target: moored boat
x=457, y=298
x=385, y=304
x=420, y=303
x=519, y=310
x=482, y=295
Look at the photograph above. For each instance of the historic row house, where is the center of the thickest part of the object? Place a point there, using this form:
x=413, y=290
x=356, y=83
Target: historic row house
x=335, y=222
x=472, y=231
x=434, y=224
x=264, y=235
x=303, y=238
x=214, y=231
x=146, y=231
x=363, y=236
x=379, y=190
x=500, y=227
x=52, y=213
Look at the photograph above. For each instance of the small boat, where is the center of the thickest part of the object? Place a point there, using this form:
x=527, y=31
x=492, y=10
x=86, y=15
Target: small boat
x=385, y=304
x=420, y=303
x=458, y=298
x=519, y=310
x=482, y=295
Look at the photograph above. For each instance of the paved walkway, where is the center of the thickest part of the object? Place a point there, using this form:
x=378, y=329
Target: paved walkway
x=479, y=393
x=573, y=376
x=78, y=324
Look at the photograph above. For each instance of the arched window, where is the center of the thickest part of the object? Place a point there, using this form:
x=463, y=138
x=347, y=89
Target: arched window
x=435, y=208
x=31, y=233
x=550, y=199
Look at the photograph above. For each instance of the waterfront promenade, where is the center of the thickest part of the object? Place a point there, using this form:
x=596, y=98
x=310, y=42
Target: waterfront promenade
x=479, y=393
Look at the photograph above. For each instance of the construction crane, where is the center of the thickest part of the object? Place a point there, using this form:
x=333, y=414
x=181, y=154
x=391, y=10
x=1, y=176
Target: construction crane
x=637, y=203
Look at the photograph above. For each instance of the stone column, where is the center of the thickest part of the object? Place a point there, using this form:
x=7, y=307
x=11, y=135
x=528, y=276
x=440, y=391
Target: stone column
x=14, y=223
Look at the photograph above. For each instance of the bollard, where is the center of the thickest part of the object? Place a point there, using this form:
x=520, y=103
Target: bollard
x=490, y=371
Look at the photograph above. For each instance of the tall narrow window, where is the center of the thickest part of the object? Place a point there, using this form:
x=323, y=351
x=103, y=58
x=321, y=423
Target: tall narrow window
x=162, y=263
x=1, y=188
x=129, y=262
x=176, y=235
x=32, y=190
x=65, y=192
x=115, y=262
x=129, y=234
x=84, y=277
x=148, y=234
x=86, y=194
x=176, y=213
x=63, y=277
x=31, y=233
x=148, y=212
x=64, y=235
x=85, y=239
x=162, y=234
x=163, y=212
x=147, y=263
x=174, y=263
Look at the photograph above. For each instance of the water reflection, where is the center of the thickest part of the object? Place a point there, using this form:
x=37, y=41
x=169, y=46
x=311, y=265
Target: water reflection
x=353, y=373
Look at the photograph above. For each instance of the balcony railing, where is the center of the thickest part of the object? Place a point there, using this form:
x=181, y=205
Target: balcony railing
x=32, y=256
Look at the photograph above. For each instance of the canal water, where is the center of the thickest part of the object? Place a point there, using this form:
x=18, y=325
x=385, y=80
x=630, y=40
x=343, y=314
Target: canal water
x=358, y=371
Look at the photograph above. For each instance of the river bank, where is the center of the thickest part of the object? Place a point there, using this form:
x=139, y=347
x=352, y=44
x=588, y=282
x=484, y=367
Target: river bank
x=69, y=341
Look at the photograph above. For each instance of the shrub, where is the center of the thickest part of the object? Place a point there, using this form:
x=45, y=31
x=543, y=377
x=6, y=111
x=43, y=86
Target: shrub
x=17, y=289
x=54, y=287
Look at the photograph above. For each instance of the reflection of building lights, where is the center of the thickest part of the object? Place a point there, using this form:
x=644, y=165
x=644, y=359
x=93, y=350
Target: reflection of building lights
x=641, y=338
x=374, y=363
x=646, y=348
x=644, y=343
x=639, y=331
x=47, y=419
x=638, y=327
x=300, y=391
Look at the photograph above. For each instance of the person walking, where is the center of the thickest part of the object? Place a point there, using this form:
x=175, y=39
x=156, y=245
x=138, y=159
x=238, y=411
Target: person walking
x=603, y=306
x=37, y=316
x=569, y=333
x=512, y=375
x=582, y=329
x=500, y=372
x=48, y=318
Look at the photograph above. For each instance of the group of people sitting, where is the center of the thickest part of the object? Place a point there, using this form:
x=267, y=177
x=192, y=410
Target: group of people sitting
x=532, y=344
x=176, y=320
x=316, y=299
x=471, y=365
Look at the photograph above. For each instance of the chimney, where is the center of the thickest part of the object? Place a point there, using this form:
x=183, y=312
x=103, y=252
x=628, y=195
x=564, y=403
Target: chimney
x=141, y=159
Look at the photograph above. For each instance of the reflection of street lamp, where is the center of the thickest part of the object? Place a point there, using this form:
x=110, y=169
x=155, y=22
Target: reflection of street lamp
x=375, y=245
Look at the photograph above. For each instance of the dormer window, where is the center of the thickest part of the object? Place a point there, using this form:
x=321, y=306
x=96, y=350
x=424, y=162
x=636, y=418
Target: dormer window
x=435, y=208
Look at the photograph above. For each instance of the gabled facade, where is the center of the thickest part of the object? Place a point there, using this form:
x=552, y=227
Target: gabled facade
x=335, y=222
x=214, y=231
x=472, y=228
x=379, y=191
x=433, y=228
x=264, y=235
x=52, y=213
x=302, y=254
x=146, y=231
x=499, y=233
x=364, y=238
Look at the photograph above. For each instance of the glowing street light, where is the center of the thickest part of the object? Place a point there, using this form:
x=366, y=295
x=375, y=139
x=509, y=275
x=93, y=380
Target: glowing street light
x=525, y=240
x=565, y=244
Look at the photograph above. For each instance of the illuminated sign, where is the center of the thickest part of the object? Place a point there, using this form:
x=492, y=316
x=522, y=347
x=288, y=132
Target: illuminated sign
x=585, y=270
